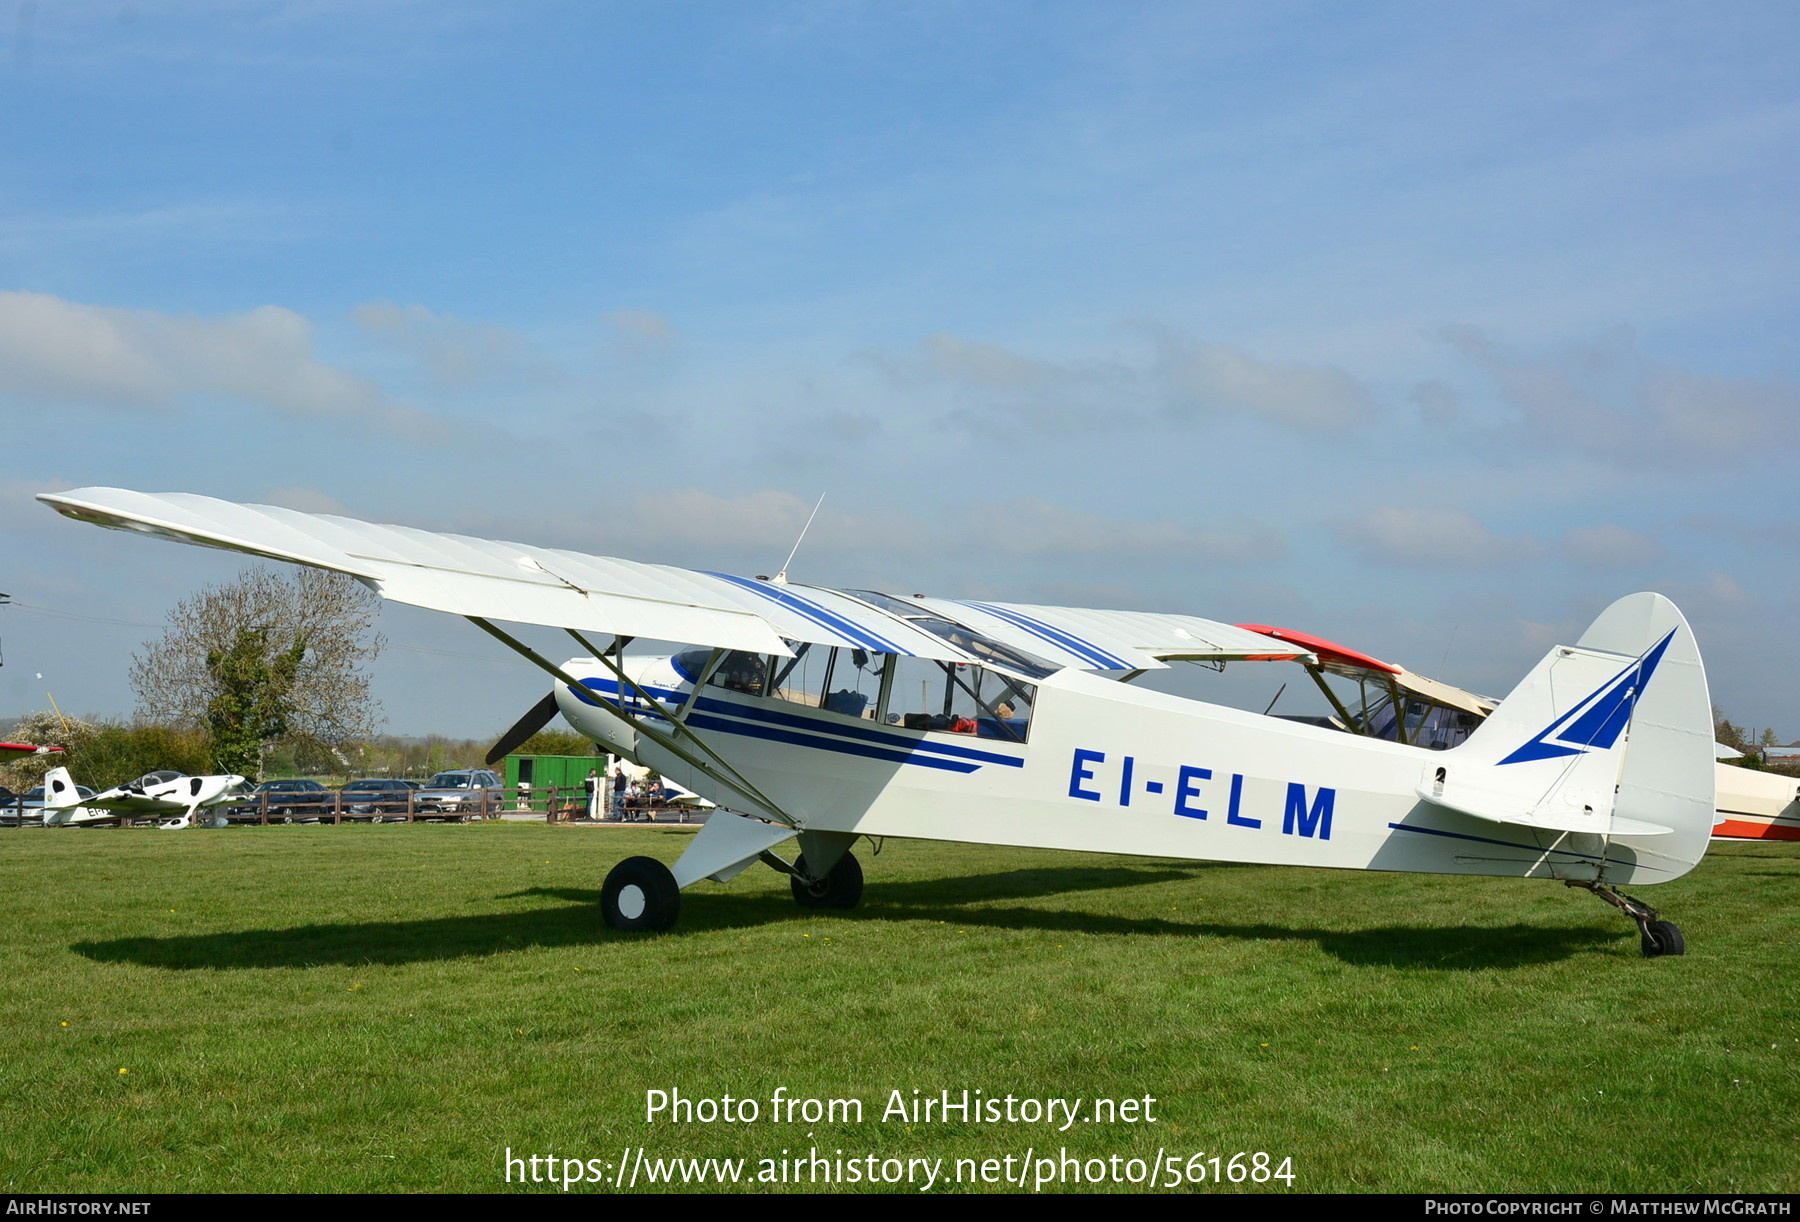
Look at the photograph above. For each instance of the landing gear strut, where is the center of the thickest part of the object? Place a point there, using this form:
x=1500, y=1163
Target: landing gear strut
x=1659, y=937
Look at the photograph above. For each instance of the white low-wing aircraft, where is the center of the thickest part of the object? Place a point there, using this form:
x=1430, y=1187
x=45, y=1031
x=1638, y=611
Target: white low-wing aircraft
x=172, y=797
x=826, y=715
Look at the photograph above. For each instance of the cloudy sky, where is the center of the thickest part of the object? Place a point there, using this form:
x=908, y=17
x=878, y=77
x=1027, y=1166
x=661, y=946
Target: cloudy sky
x=1430, y=328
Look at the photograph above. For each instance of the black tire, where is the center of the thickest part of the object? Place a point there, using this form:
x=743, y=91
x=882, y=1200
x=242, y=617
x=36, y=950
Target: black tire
x=842, y=888
x=641, y=896
x=1663, y=938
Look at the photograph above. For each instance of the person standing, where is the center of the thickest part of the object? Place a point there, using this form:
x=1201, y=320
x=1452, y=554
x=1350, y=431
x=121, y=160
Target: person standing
x=618, y=792
x=593, y=785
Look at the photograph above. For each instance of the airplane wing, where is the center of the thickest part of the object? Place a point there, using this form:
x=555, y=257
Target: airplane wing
x=1352, y=664
x=565, y=589
x=10, y=751
x=516, y=581
x=134, y=803
x=1110, y=640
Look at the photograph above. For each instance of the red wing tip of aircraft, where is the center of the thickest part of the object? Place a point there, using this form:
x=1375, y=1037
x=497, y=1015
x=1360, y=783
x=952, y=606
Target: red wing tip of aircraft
x=1327, y=650
x=23, y=749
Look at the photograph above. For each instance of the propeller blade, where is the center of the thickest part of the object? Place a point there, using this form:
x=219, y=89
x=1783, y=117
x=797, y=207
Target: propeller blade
x=534, y=720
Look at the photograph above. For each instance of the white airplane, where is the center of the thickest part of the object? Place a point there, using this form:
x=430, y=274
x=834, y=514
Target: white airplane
x=827, y=715
x=1392, y=702
x=173, y=797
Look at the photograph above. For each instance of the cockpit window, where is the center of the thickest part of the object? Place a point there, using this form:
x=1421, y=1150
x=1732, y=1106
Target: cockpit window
x=975, y=644
x=737, y=671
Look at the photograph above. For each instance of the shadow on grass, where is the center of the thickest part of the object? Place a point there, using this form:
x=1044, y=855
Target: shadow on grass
x=967, y=888
x=1458, y=948
x=577, y=922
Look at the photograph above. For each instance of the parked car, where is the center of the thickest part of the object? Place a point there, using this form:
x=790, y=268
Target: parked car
x=379, y=797
x=460, y=793
x=286, y=800
x=30, y=805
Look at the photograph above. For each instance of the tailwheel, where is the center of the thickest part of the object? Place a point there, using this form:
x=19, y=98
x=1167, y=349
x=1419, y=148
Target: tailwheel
x=1659, y=937
x=641, y=896
x=1663, y=938
x=841, y=887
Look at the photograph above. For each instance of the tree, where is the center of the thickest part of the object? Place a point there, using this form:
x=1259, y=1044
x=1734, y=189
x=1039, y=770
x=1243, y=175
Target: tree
x=103, y=754
x=1727, y=731
x=265, y=658
x=556, y=742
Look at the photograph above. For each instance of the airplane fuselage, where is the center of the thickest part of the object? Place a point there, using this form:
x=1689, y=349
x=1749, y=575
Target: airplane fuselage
x=1106, y=768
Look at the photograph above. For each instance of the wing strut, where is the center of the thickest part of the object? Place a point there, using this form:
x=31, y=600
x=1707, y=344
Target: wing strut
x=719, y=770
x=700, y=681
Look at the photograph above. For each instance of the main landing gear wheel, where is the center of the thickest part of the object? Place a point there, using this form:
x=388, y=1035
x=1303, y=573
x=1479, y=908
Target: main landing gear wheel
x=641, y=896
x=841, y=888
x=1663, y=938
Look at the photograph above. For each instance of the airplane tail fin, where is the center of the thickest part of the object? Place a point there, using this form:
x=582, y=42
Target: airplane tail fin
x=1611, y=737
x=60, y=797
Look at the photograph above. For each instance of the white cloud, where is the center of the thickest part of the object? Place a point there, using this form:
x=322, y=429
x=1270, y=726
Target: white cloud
x=988, y=366
x=1202, y=378
x=1610, y=546
x=1438, y=403
x=1182, y=380
x=1035, y=528
x=1429, y=538
x=1607, y=398
x=641, y=335
x=457, y=353
x=144, y=360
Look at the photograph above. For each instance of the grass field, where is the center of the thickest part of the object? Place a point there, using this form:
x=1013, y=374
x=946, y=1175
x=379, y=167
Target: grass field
x=393, y=1007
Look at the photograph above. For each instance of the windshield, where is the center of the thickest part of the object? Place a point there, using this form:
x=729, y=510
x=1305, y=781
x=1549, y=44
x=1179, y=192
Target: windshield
x=452, y=780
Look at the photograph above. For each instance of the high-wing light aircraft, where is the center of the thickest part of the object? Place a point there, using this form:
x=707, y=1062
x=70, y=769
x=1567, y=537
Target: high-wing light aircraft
x=173, y=797
x=825, y=715
x=1391, y=702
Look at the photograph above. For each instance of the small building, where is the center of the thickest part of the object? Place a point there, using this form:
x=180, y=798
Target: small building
x=542, y=772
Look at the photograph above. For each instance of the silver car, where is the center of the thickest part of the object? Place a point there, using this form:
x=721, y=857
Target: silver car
x=460, y=794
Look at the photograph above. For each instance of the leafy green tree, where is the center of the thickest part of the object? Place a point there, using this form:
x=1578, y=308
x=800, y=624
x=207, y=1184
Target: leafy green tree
x=265, y=658
x=250, y=706
x=556, y=742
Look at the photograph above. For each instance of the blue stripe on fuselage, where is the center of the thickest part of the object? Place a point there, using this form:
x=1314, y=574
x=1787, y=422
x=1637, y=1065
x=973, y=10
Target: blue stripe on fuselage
x=786, y=727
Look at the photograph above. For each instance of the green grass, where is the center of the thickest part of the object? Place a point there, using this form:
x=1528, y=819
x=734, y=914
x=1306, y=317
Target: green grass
x=391, y=1007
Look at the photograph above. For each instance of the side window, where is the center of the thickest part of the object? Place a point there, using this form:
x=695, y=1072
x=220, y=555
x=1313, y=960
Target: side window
x=960, y=699
x=920, y=696
x=1005, y=707
x=853, y=682
x=800, y=678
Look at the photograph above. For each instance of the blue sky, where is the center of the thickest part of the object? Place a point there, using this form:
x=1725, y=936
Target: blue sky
x=1430, y=328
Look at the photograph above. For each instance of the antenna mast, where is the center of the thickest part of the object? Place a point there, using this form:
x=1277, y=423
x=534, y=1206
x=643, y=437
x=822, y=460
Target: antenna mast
x=781, y=577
